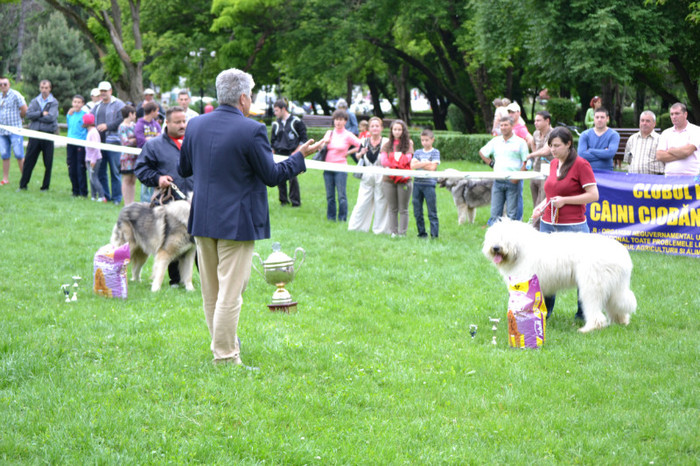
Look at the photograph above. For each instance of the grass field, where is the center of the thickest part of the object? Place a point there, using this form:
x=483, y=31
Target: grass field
x=377, y=367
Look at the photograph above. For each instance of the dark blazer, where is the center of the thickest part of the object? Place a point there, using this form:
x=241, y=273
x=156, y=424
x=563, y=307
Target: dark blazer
x=159, y=157
x=231, y=161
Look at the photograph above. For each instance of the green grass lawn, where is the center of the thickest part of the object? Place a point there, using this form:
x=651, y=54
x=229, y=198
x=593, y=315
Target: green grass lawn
x=377, y=366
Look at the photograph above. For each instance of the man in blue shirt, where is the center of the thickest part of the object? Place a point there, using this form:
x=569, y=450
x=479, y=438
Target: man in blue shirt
x=599, y=144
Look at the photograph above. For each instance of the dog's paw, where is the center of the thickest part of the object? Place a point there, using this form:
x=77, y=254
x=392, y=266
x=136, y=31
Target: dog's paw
x=594, y=324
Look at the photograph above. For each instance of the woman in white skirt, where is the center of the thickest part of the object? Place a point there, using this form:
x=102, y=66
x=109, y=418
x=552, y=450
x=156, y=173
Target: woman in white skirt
x=370, y=197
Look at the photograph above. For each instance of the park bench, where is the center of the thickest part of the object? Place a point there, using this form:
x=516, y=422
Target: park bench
x=625, y=134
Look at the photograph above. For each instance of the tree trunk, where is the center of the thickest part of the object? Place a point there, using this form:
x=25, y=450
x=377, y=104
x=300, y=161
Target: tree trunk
x=691, y=89
x=479, y=81
x=640, y=100
x=607, y=95
x=439, y=108
x=20, y=37
x=376, y=95
x=348, y=93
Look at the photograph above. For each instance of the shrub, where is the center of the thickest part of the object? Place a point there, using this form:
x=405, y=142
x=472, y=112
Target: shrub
x=452, y=145
x=455, y=119
x=562, y=111
x=628, y=119
x=664, y=121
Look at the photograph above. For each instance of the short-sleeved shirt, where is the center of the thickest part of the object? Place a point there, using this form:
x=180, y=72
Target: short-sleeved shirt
x=574, y=183
x=540, y=141
x=9, y=110
x=339, y=146
x=671, y=138
x=433, y=155
x=508, y=155
x=520, y=130
x=640, y=153
x=75, y=126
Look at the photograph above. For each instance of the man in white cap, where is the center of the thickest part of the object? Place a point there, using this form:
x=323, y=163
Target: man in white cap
x=108, y=117
x=148, y=95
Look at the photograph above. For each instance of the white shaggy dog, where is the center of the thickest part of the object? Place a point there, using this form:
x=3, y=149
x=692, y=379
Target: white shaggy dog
x=599, y=266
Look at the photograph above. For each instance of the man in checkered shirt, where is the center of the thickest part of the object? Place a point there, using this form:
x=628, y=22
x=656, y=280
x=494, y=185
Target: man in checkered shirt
x=13, y=107
x=640, y=151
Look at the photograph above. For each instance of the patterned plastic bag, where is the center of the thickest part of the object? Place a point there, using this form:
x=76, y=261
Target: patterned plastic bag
x=110, y=271
x=527, y=313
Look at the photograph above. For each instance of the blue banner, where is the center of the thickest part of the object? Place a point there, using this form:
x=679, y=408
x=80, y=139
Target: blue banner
x=648, y=212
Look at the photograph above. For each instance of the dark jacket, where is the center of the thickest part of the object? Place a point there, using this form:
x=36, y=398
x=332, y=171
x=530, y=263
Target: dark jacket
x=40, y=122
x=285, y=140
x=231, y=161
x=113, y=118
x=159, y=157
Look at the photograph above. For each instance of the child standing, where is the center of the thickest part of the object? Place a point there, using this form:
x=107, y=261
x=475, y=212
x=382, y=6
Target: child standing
x=75, y=155
x=127, y=161
x=363, y=126
x=427, y=158
x=93, y=158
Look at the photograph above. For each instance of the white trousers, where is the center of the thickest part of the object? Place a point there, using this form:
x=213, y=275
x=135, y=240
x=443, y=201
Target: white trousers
x=370, y=201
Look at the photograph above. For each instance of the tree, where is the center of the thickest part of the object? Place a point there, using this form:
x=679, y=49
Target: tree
x=115, y=36
x=58, y=54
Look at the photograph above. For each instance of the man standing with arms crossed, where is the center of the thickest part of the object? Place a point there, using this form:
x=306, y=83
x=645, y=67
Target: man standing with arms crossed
x=640, y=150
x=43, y=116
x=679, y=146
x=231, y=161
x=12, y=109
x=599, y=144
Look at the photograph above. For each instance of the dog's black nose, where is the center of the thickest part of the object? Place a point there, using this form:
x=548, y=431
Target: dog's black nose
x=496, y=249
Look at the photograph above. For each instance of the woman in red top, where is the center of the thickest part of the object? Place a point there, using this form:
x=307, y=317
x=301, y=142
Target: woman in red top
x=397, y=153
x=568, y=188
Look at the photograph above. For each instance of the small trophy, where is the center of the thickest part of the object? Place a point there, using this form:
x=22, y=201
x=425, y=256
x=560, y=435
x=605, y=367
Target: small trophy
x=66, y=291
x=472, y=330
x=76, y=281
x=278, y=270
x=494, y=328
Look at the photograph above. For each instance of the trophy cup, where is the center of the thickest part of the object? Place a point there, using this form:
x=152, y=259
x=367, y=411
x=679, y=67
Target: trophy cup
x=278, y=270
x=66, y=291
x=76, y=281
x=494, y=328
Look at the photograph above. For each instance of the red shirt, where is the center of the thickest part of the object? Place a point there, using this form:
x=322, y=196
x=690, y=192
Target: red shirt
x=178, y=141
x=580, y=175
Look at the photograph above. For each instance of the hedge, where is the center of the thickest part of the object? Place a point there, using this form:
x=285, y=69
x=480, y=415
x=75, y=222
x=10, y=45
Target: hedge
x=452, y=145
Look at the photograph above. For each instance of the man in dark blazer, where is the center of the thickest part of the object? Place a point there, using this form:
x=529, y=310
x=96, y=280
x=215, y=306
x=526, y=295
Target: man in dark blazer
x=231, y=161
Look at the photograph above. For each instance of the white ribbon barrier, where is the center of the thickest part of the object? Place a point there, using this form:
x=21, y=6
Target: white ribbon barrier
x=312, y=164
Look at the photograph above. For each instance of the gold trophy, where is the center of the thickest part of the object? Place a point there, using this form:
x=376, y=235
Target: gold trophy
x=278, y=269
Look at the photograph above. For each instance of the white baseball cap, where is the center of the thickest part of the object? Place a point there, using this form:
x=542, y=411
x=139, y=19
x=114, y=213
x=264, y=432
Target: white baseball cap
x=513, y=107
x=95, y=92
x=148, y=90
x=104, y=86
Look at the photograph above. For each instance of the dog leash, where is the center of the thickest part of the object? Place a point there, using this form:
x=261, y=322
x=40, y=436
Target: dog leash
x=554, y=212
x=177, y=190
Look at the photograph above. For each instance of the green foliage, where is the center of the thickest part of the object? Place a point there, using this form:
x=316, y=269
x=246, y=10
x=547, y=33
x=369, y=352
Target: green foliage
x=664, y=121
x=628, y=118
x=455, y=119
x=562, y=110
x=58, y=54
x=377, y=367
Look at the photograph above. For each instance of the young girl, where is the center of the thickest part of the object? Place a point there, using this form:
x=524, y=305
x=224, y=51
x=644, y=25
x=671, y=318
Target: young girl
x=397, y=153
x=75, y=155
x=93, y=158
x=127, y=161
x=363, y=126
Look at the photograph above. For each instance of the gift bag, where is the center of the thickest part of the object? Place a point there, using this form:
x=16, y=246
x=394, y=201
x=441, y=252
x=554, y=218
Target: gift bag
x=109, y=271
x=527, y=313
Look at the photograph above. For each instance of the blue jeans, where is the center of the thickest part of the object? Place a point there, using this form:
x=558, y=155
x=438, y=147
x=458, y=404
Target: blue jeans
x=111, y=159
x=425, y=192
x=549, y=228
x=336, y=181
x=14, y=142
x=509, y=194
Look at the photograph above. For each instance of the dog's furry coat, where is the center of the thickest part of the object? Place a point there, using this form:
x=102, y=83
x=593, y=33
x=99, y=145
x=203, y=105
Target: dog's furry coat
x=467, y=195
x=161, y=232
x=599, y=266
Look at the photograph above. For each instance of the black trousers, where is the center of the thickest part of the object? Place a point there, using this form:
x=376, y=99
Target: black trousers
x=75, y=158
x=34, y=146
x=294, y=195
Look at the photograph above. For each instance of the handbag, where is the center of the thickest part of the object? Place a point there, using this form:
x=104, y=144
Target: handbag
x=321, y=155
x=360, y=163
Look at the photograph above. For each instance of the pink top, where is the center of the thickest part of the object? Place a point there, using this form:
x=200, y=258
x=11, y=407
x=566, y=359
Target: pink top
x=521, y=131
x=92, y=155
x=671, y=138
x=339, y=145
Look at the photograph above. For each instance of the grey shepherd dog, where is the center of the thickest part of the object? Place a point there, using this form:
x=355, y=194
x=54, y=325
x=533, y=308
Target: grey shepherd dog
x=160, y=232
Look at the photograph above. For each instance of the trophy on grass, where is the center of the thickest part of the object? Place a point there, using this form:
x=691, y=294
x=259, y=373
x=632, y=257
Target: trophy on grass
x=76, y=282
x=278, y=270
x=66, y=291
